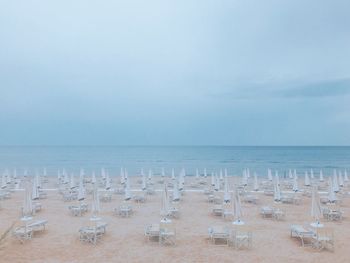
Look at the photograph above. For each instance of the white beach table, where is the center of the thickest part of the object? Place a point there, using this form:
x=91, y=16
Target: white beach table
x=266, y=211
x=78, y=210
x=300, y=232
x=23, y=233
x=228, y=214
x=218, y=233
x=167, y=232
x=152, y=231
x=124, y=210
x=39, y=225
x=278, y=214
x=332, y=214
x=241, y=235
x=251, y=199
x=139, y=199
x=93, y=234
x=287, y=199
x=218, y=210
x=174, y=212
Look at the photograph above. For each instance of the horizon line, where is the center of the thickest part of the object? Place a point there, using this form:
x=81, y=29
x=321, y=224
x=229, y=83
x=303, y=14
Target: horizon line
x=160, y=145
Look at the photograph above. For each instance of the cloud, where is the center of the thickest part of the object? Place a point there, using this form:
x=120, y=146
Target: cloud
x=174, y=72
x=272, y=89
x=319, y=89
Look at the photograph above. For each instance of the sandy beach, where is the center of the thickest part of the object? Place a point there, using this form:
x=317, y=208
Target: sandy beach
x=124, y=240
x=175, y=131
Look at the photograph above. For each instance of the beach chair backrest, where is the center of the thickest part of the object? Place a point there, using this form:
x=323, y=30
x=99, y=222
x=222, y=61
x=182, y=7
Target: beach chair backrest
x=166, y=227
x=242, y=230
x=325, y=232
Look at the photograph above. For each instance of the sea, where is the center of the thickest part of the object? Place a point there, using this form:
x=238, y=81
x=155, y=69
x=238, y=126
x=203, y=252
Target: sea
x=36, y=159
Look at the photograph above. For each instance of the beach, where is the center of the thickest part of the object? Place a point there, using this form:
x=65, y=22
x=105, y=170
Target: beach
x=125, y=241
x=175, y=131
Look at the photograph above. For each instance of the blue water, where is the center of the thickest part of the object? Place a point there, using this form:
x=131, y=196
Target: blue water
x=133, y=158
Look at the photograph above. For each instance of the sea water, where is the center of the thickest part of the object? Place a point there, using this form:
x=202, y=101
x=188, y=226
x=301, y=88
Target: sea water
x=134, y=158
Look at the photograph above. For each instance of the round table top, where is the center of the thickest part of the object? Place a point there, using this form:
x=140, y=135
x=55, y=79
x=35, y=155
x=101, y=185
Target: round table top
x=95, y=218
x=316, y=224
x=26, y=218
x=165, y=220
x=238, y=223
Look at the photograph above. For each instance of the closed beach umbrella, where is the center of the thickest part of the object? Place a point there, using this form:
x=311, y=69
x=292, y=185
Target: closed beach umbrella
x=165, y=202
x=227, y=195
x=95, y=207
x=335, y=182
x=312, y=174
x=237, y=208
x=35, y=190
x=295, y=183
x=17, y=184
x=3, y=182
x=205, y=172
x=290, y=174
x=346, y=178
x=256, y=183
x=125, y=175
x=163, y=172
x=315, y=205
x=307, y=179
x=277, y=178
x=269, y=174
x=103, y=173
x=108, y=182
x=81, y=190
x=197, y=174
x=144, y=183
x=217, y=183
x=8, y=178
x=321, y=176
x=93, y=178
x=245, y=178
x=212, y=179
x=150, y=175
x=59, y=178
x=277, y=191
x=66, y=178
x=181, y=180
x=341, y=181
x=248, y=173
x=72, y=182
x=81, y=175
x=176, y=193
x=127, y=194
x=27, y=203
x=172, y=174
x=38, y=180
x=122, y=176
x=331, y=195
x=183, y=172
x=221, y=176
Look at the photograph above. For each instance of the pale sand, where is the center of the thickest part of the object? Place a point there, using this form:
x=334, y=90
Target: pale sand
x=125, y=242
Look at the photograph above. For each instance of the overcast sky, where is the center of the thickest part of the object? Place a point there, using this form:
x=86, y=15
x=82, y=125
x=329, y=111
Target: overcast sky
x=175, y=72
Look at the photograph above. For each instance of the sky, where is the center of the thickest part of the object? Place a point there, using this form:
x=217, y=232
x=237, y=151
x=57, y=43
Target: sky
x=179, y=72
